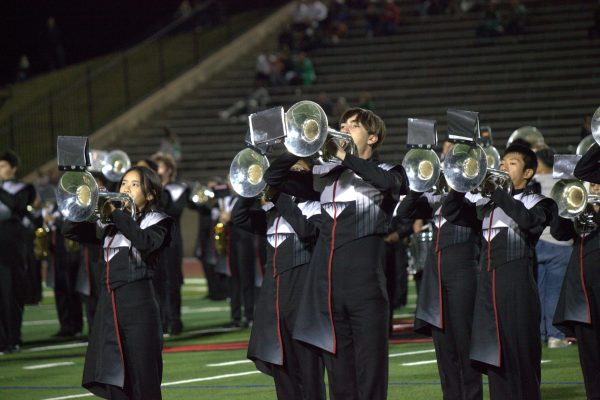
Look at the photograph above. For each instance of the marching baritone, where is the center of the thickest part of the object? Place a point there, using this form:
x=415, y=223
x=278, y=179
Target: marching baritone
x=505, y=339
x=344, y=308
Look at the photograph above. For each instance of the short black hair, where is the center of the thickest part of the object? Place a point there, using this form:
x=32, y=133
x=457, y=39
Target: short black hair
x=11, y=157
x=520, y=142
x=529, y=157
x=546, y=156
x=150, y=183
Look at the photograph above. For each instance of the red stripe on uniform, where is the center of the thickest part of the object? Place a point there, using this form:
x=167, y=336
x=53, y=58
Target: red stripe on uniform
x=329, y=266
x=489, y=254
x=587, y=300
x=439, y=268
x=277, y=290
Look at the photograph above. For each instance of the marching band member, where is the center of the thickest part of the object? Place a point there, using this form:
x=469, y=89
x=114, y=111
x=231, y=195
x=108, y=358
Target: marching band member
x=344, y=308
x=447, y=294
x=505, y=337
x=173, y=202
x=15, y=196
x=291, y=229
x=237, y=260
x=578, y=306
x=123, y=359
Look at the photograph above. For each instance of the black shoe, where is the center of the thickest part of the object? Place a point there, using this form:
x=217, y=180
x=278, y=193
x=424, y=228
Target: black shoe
x=15, y=348
x=248, y=324
x=176, y=328
x=65, y=333
x=234, y=324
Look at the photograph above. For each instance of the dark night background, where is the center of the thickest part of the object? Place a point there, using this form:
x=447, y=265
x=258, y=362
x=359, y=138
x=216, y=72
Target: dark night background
x=88, y=28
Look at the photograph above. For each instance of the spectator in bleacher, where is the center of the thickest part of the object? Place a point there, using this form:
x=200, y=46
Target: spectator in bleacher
x=390, y=18
x=23, y=68
x=56, y=50
x=337, y=26
x=305, y=69
x=270, y=69
x=594, y=30
x=252, y=103
x=340, y=106
x=310, y=13
x=326, y=104
x=372, y=16
x=170, y=144
x=184, y=9
x=432, y=7
x=492, y=24
x=365, y=101
x=516, y=18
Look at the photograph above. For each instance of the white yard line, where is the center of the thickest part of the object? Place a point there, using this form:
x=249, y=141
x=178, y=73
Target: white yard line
x=191, y=310
x=58, y=346
x=224, y=364
x=410, y=364
x=41, y=322
x=411, y=353
x=210, y=378
x=73, y=396
x=407, y=315
x=52, y=365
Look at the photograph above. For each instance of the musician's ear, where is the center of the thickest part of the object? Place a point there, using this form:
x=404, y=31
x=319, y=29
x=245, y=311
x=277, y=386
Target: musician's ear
x=372, y=139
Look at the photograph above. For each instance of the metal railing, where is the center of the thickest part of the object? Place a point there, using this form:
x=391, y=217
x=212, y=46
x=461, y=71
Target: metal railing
x=102, y=93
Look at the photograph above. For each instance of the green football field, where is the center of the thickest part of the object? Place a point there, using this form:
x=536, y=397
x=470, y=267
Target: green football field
x=51, y=368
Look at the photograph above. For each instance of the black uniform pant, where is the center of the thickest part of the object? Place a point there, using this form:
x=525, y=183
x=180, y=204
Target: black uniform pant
x=301, y=375
x=241, y=282
x=518, y=377
x=588, y=337
x=460, y=381
x=68, y=301
x=359, y=369
x=11, y=307
x=168, y=279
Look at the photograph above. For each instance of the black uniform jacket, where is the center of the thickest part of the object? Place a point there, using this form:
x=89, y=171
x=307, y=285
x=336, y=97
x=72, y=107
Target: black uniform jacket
x=453, y=246
x=131, y=250
x=357, y=200
x=291, y=230
x=14, y=198
x=511, y=226
x=588, y=168
x=574, y=302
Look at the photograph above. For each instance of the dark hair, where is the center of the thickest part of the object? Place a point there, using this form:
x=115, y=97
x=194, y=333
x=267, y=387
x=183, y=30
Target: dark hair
x=520, y=142
x=150, y=183
x=150, y=163
x=546, y=156
x=168, y=160
x=367, y=118
x=528, y=155
x=11, y=157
